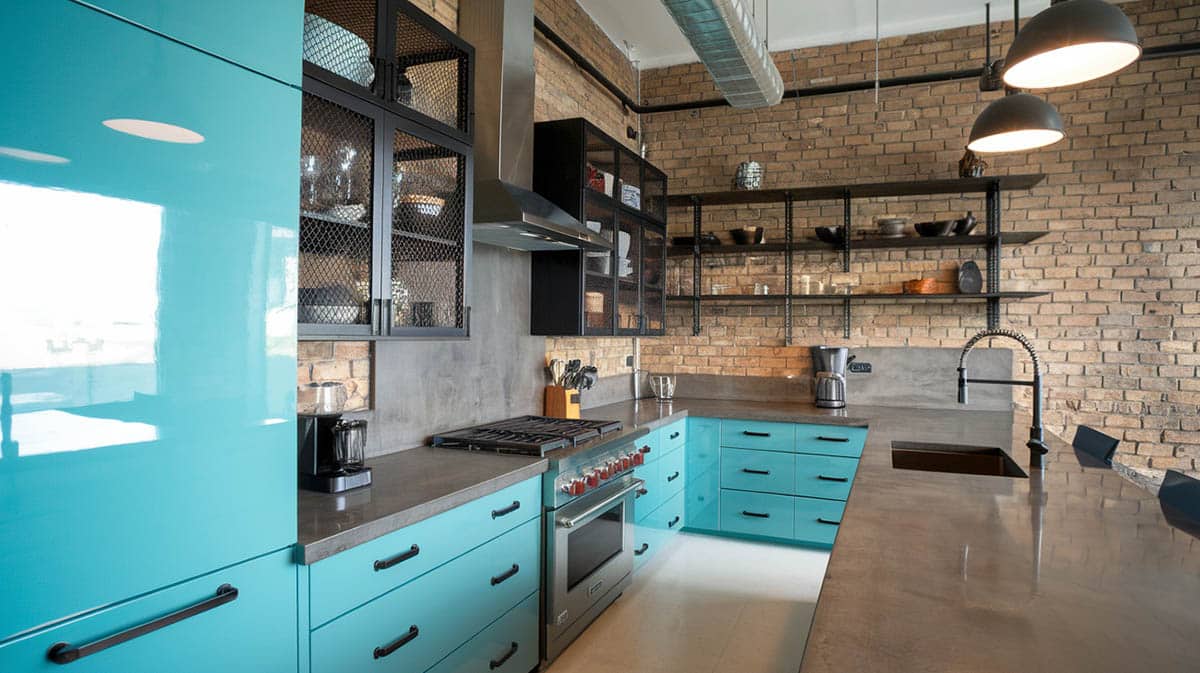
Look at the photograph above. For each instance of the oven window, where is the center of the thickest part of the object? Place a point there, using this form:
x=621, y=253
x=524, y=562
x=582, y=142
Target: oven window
x=593, y=544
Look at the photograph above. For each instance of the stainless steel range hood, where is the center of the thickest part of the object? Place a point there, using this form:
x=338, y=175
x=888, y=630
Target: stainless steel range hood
x=507, y=212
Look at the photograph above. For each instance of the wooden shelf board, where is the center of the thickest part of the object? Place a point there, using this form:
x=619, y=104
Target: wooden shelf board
x=854, y=298
x=874, y=243
x=865, y=190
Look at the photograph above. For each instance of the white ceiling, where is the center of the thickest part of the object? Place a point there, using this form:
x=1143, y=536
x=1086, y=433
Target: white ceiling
x=655, y=40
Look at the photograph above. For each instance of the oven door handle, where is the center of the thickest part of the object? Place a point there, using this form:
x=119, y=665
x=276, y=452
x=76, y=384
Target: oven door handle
x=572, y=521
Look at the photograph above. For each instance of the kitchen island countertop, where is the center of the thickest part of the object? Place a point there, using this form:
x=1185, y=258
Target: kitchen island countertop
x=1075, y=571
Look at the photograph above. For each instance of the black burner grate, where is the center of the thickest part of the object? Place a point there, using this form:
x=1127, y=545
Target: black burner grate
x=531, y=435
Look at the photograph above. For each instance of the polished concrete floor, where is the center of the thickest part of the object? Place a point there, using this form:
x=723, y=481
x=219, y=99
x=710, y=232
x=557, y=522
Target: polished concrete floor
x=706, y=605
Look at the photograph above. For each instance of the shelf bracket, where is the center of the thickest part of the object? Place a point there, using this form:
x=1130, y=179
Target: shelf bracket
x=787, y=265
x=695, y=266
x=846, y=260
x=993, y=253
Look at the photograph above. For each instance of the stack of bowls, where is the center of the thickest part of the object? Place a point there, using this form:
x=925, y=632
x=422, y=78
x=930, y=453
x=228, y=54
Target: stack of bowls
x=891, y=227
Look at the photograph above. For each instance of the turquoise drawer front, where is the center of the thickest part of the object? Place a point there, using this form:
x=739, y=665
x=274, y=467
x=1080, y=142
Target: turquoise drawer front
x=254, y=633
x=669, y=517
x=651, y=494
x=650, y=446
x=765, y=471
x=647, y=540
x=509, y=645
x=702, y=501
x=703, y=446
x=831, y=440
x=263, y=35
x=434, y=613
x=824, y=476
x=763, y=435
x=817, y=520
x=757, y=514
x=674, y=435
x=349, y=579
x=671, y=472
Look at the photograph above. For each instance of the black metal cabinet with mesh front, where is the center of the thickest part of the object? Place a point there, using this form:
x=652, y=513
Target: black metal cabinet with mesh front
x=386, y=173
x=620, y=196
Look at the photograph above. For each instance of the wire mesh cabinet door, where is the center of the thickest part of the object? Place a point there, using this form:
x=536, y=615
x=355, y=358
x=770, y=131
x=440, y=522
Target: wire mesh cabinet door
x=428, y=245
x=343, y=45
x=429, y=70
x=339, y=214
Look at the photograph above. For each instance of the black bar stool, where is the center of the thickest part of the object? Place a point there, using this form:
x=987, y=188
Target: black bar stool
x=1094, y=448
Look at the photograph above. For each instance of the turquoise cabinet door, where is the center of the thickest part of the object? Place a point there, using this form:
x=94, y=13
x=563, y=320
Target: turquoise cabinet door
x=702, y=501
x=674, y=435
x=253, y=633
x=824, y=476
x=831, y=440
x=672, y=472
x=764, y=471
x=147, y=363
x=651, y=494
x=703, y=445
x=817, y=520
x=263, y=35
x=650, y=446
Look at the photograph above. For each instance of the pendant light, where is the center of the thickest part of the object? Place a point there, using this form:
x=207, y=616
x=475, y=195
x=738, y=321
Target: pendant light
x=1071, y=42
x=1017, y=122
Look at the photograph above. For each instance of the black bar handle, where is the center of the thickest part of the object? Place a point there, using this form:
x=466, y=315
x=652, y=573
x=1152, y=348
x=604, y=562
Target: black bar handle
x=399, y=558
x=506, y=574
x=641, y=492
x=497, y=663
x=642, y=549
x=65, y=653
x=823, y=438
x=497, y=513
x=757, y=515
x=674, y=435
x=750, y=471
x=829, y=522
x=673, y=477
x=672, y=522
x=748, y=433
x=413, y=632
x=823, y=477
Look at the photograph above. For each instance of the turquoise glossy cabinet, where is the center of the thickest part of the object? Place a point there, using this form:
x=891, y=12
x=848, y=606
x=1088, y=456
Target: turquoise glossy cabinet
x=769, y=479
x=258, y=34
x=147, y=367
x=444, y=594
x=660, y=510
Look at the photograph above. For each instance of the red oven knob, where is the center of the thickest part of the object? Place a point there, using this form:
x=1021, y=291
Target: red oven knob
x=626, y=462
x=605, y=472
x=645, y=449
x=638, y=458
x=592, y=479
x=574, y=487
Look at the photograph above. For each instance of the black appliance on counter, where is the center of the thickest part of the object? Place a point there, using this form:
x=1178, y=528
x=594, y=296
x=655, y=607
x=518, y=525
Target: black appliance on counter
x=331, y=453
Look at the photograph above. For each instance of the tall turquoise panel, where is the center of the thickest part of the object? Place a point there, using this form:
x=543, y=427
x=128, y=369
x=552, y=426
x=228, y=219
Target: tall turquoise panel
x=147, y=358
x=263, y=35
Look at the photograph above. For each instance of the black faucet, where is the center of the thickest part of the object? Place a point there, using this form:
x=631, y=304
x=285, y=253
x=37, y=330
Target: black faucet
x=1037, y=442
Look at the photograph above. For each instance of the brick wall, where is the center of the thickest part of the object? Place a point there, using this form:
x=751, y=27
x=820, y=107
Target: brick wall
x=565, y=91
x=1118, y=332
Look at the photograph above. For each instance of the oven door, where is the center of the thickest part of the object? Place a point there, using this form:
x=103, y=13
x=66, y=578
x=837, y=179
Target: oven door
x=589, y=554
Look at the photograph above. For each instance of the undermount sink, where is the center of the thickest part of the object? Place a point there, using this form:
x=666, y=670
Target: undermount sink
x=955, y=458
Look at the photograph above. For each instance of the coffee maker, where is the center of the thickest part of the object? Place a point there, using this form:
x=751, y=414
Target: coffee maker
x=829, y=376
x=331, y=451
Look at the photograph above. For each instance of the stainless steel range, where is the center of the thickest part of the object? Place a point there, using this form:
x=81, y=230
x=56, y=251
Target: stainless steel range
x=587, y=498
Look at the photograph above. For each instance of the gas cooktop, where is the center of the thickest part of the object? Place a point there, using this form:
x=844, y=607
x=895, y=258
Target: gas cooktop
x=526, y=435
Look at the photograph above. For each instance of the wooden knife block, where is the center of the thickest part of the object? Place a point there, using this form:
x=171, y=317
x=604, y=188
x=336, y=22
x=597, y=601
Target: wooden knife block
x=562, y=402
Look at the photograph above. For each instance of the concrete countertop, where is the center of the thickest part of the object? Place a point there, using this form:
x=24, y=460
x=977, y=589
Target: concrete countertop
x=407, y=487
x=932, y=572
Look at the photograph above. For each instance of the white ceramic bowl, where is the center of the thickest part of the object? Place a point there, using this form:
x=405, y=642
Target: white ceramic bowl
x=337, y=50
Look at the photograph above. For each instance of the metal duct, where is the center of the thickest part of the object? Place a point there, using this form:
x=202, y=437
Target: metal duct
x=723, y=35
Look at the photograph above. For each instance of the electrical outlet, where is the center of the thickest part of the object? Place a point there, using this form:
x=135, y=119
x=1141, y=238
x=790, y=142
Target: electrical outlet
x=628, y=360
x=860, y=367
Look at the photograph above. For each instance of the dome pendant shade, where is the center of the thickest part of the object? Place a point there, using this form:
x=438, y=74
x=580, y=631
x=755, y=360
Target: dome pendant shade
x=1016, y=123
x=1069, y=43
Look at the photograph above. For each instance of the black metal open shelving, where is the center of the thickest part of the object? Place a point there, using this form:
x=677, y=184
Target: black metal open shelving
x=992, y=241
